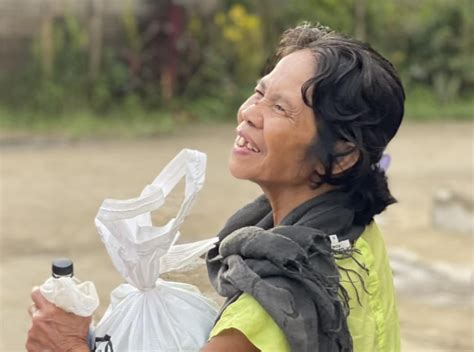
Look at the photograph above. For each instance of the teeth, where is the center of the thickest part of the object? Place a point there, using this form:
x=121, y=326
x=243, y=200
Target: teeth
x=241, y=142
x=252, y=148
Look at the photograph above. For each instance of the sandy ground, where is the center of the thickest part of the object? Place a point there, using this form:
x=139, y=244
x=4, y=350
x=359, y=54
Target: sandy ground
x=50, y=193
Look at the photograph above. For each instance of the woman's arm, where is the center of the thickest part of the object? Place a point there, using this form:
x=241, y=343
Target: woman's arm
x=230, y=340
x=55, y=330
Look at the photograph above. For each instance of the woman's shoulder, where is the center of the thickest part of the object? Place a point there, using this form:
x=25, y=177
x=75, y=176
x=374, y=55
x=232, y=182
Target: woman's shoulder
x=250, y=318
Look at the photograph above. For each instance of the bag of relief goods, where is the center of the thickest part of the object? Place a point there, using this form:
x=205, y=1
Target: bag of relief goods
x=148, y=313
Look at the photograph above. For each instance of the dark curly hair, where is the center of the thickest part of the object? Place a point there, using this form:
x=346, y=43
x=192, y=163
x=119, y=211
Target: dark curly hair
x=357, y=98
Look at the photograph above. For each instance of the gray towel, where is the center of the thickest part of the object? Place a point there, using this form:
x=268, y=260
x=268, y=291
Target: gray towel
x=289, y=269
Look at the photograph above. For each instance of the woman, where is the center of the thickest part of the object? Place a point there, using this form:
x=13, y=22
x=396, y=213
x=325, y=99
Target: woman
x=311, y=136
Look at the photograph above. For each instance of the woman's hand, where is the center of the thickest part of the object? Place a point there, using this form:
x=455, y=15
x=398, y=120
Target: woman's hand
x=55, y=330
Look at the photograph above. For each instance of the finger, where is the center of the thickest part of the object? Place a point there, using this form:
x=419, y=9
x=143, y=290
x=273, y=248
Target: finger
x=32, y=310
x=38, y=299
x=32, y=345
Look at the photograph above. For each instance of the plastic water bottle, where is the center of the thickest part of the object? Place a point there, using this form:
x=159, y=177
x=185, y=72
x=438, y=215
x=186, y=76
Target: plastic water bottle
x=63, y=277
x=68, y=293
x=62, y=267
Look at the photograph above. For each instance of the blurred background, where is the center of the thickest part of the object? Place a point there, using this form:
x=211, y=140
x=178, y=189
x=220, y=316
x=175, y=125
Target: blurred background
x=96, y=96
x=80, y=66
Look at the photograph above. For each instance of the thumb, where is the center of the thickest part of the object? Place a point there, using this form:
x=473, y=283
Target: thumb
x=38, y=298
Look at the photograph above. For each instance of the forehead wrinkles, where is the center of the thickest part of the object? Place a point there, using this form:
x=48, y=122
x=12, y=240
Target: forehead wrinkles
x=300, y=65
x=290, y=73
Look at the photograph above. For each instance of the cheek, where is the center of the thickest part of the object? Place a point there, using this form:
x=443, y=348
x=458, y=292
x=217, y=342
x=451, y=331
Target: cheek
x=289, y=147
x=291, y=143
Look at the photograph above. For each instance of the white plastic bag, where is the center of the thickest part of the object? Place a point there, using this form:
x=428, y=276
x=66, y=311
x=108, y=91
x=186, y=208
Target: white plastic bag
x=71, y=295
x=147, y=313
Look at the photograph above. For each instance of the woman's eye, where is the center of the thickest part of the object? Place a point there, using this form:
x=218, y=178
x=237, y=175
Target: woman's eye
x=279, y=108
x=259, y=92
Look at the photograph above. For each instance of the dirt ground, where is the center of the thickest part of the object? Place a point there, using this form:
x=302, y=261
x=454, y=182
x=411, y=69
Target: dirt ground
x=50, y=193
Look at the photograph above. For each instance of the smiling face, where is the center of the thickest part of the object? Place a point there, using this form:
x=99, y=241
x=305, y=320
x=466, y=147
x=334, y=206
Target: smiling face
x=276, y=127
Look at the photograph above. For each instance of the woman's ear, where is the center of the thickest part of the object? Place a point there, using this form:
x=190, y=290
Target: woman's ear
x=347, y=160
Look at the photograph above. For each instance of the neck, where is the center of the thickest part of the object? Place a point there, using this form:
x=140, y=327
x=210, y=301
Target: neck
x=284, y=199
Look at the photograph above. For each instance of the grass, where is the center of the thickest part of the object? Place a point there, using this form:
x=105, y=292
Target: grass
x=80, y=124
x=421, y=105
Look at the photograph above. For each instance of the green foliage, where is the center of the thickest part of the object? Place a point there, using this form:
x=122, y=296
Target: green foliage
x=64, y=85
x=110, y=80
x=68, y=85
x=430, y=42
x=219, y=56
x=132, y=33
x=227, y=65
x=240, y=42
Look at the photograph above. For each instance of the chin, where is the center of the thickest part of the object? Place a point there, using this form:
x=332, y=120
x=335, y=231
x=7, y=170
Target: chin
x=238, y=171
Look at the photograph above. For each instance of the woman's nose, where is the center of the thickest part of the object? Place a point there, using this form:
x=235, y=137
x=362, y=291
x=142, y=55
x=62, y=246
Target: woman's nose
x=252, y=115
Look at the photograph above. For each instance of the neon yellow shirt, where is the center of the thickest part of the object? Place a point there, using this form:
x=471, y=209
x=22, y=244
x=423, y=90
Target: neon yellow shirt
x=373, y=324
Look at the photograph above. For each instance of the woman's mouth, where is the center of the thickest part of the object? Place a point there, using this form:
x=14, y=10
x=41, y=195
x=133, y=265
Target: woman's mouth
x=241, y=142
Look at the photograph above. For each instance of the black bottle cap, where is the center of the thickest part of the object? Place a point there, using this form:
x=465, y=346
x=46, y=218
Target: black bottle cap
x=62, y=267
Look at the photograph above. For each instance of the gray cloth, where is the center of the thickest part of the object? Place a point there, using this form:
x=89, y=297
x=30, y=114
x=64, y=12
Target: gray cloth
x=289, y=269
